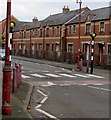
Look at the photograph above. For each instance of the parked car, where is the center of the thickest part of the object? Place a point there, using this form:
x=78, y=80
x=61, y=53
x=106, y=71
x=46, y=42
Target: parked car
x=2, y=54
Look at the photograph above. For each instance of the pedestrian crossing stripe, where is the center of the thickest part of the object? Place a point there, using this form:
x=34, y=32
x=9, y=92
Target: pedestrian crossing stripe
x=38, y=75
x=94, y=76
x=79, y=75
x=52, y=75
x=24, y=76
x=67, y=75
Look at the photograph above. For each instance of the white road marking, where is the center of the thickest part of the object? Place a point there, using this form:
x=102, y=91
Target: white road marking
x=37, y=75
x=66, y=75
x=94, y=76
x=24, y=76
x=43, y=101
x=37, y=63
x=45, y=71
x=62, y=85
x=81, y=75
x=47, y=114
x=38, y=106
x=41, y=93
x=51, y=83
x=58, y=71
x=52, y=75
x=100, y=88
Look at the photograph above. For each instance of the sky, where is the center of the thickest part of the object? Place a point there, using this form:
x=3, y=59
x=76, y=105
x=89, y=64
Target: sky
x=26, y=10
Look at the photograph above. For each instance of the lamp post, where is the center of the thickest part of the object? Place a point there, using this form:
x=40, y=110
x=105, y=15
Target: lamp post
x=6, y=107
x=79, y=60
x=79, y=33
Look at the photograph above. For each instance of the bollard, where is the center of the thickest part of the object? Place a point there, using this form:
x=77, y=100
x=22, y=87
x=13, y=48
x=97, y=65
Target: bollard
x=80, y=64
x=87, y=67
x=14, y=83
x=20, y=73
x=17, y=74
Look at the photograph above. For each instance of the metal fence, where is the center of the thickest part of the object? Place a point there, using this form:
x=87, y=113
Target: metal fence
x=68, y=57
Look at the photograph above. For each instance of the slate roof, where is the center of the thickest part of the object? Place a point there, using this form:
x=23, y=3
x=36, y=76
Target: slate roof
x=70, y=17
x=94, y=15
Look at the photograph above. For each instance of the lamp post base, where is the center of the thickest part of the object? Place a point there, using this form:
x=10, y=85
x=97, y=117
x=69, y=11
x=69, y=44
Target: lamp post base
x=6, y=109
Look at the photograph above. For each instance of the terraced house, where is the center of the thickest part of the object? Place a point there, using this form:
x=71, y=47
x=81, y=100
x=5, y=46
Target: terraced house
x=56, y=37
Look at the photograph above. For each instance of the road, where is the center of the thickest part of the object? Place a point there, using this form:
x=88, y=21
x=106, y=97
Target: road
x=62, y=93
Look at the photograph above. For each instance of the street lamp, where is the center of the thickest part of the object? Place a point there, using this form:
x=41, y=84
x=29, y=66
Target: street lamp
x=79, y=33
x=79, y=42
x=6, y=107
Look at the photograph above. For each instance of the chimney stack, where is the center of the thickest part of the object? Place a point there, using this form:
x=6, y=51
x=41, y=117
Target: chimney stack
x=65, y=9
x=35, y=19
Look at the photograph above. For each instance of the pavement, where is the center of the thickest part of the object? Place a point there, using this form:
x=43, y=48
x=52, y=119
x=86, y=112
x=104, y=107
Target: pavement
x=20, y=99
x=0, y=90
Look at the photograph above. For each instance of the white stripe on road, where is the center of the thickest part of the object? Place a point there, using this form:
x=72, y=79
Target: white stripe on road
x=24, y=76
x=67, y=75
x=100, y=88
x=79, y=75
x=37, y=75
x=94, y=76
x=41, y=93
x=52, y=75
x=47, y=114
x=43, y=101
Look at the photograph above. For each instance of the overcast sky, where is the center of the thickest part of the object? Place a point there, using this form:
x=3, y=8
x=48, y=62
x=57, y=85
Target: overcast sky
x=26, y=10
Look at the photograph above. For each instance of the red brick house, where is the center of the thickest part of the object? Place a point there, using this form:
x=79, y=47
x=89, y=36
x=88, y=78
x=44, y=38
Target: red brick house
x=3, y=28
x=56, y=37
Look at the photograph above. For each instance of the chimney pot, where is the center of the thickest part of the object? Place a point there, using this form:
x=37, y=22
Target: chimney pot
x=35, y=19
x=65, y=9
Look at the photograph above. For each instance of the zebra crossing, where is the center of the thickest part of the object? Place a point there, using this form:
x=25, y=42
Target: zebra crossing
x=69, y=83
x=59, y=75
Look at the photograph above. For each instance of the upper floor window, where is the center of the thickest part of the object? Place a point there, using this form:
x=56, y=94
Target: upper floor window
x=40, y=32
x=24, y=34
x=74, y=28
x=36, y=32
x=88, y=28
x=47, y=31
x=58, y=30
x=52, y=30
x=20, y=34
x=101, y=27
x=70, y=29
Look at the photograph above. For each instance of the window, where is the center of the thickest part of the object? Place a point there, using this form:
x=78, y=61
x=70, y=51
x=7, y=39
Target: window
x=58, y=30
x=32, y=33
x=20, y=35
x=70, y=48
x=24, y=34
x=52, y=30
x=101, y=27
x=70, y=29
x=40, y=32
x=47, y=31
x=40, y=46
x=74, y=28
x=109, y=49
x=88, y=28
x=48, y=47
x=19, y=46
x=35, y=32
